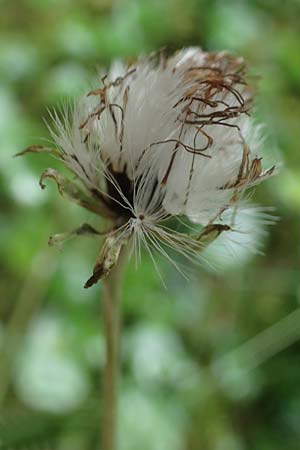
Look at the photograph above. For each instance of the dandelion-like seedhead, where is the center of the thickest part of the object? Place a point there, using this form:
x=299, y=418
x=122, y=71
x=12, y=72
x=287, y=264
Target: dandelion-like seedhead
x=160, y=138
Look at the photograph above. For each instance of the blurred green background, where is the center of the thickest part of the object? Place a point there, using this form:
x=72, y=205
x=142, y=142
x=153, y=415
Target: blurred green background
x=199, y=371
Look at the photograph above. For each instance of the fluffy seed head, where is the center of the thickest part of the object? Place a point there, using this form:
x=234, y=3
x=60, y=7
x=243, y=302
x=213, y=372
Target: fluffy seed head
x=163, y=138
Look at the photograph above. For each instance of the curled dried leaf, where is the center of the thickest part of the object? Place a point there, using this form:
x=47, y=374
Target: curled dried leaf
x=57, y=240
x=210, y=233
x=71, y=191
x=108, y=256
x=40, y=149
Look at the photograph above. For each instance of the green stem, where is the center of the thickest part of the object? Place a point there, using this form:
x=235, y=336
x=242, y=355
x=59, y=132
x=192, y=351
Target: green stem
x=112, y=327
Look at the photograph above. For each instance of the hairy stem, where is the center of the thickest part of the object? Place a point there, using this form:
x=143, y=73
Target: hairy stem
x=112, y=327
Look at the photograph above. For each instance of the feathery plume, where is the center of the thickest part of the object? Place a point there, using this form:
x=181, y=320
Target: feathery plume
x=160, y=138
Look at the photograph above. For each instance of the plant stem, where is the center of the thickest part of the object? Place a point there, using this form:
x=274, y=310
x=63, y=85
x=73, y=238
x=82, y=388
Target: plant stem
x=112, y=326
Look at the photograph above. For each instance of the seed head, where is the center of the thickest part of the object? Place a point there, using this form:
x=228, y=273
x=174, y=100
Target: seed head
x=161, y=138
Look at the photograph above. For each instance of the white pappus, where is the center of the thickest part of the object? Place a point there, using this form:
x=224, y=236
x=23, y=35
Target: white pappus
x=161, y=138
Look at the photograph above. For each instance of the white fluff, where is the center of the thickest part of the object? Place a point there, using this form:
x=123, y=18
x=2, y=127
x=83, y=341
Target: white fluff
x=184, y=157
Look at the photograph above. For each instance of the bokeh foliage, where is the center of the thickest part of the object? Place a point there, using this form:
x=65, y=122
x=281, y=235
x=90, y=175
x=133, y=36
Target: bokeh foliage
x=188, y=383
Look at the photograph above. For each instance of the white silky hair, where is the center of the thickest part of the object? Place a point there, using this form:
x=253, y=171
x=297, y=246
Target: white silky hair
x=138, y=131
